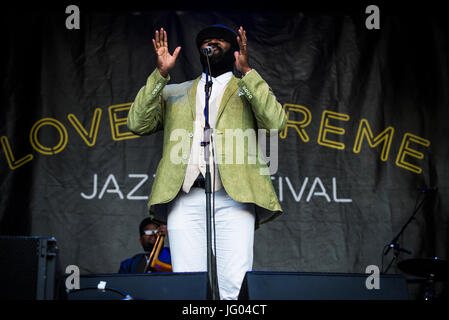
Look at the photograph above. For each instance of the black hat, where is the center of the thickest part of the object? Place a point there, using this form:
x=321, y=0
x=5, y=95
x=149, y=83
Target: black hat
x=218, y=31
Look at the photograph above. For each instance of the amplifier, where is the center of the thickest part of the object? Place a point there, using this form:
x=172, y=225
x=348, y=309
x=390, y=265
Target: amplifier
x=259, y=285
x=28, y=268
x=145, y=286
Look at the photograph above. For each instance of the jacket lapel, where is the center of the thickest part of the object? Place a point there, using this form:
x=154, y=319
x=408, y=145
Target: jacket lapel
x=192, y=96
x=230, y=90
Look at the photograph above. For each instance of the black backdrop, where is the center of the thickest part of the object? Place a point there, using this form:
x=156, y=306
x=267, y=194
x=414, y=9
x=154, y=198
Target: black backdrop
x=70, y=169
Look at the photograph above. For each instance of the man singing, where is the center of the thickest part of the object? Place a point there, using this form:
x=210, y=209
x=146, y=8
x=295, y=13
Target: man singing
x=244, y=197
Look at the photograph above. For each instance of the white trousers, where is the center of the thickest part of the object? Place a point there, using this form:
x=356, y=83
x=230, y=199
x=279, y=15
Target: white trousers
x=234, y=227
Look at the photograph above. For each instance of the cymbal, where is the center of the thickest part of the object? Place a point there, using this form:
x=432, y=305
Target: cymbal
x=430, y=268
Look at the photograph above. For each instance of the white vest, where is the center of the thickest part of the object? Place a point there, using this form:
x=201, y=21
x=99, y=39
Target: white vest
x=196, y=164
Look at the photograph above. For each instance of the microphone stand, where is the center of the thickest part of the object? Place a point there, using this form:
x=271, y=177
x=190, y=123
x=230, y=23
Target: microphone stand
x=211, y=261
x=394, y=243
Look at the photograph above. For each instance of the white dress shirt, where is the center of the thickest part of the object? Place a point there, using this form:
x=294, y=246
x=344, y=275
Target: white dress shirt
x=196, y=164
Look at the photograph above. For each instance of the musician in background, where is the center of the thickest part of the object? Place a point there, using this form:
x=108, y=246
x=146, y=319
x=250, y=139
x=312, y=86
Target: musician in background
x=148, y=231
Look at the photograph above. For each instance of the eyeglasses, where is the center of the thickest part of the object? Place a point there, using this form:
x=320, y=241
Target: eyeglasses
x=150, y=232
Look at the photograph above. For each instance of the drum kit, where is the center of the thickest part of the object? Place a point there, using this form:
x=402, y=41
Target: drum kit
x=429, y=271
x=426, y=270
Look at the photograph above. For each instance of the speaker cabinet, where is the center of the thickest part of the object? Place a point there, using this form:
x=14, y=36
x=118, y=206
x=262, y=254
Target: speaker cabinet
x=149, y=286
x=320, y=286
x=28, y=267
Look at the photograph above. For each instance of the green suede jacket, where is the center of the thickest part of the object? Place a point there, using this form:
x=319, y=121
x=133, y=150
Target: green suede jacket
x=247, y=103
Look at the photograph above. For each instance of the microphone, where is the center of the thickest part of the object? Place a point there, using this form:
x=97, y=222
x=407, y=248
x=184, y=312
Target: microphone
x=208, y=51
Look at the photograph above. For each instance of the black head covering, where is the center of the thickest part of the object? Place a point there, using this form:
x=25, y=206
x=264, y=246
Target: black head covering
x=218, y=31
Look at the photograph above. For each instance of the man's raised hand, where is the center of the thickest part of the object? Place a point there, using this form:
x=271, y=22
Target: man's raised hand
x=241, y=56
x=165, y=61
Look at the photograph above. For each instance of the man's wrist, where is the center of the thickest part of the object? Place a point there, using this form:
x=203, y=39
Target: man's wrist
x=163, y=73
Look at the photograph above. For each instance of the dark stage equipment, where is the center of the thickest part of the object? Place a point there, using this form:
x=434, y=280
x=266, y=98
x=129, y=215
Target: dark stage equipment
x=320, y=286
x=151, y=286
x=28, y=268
